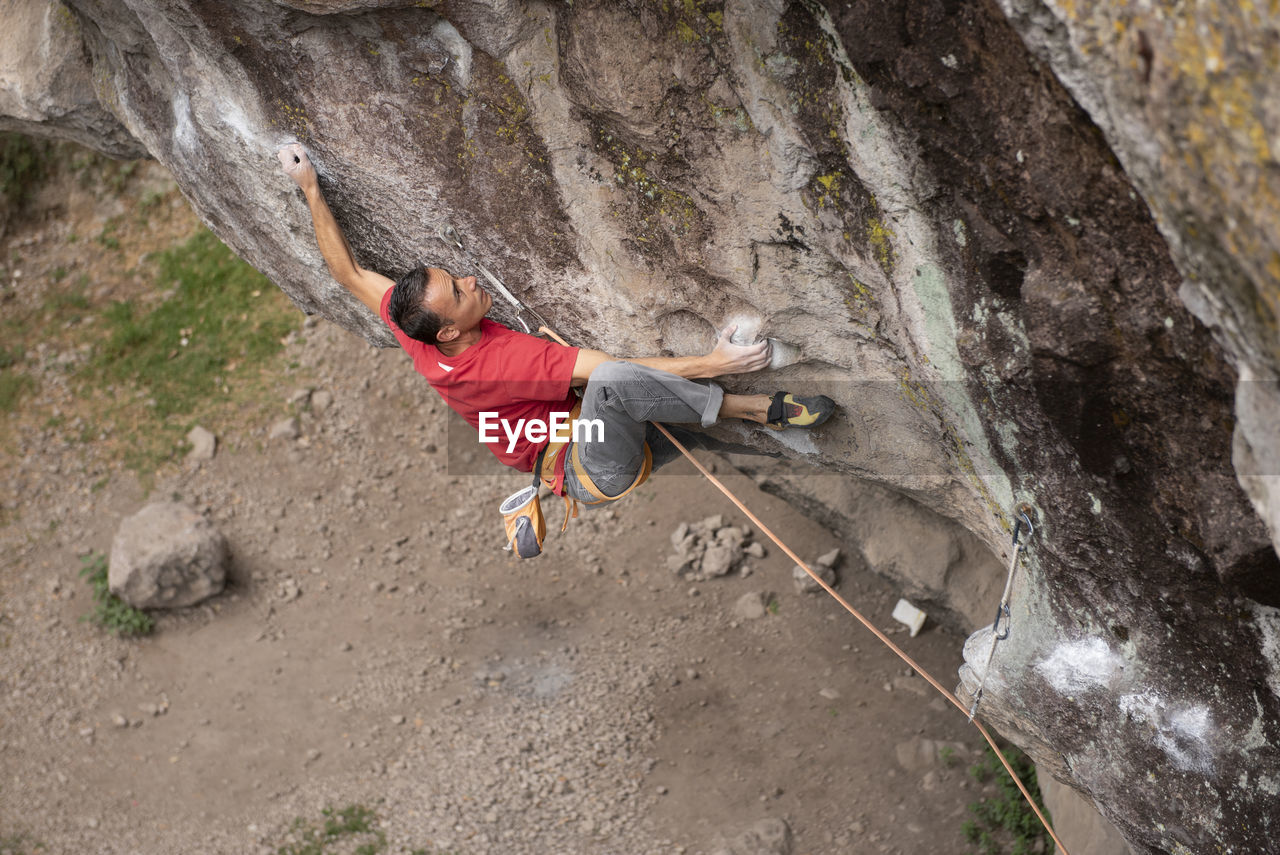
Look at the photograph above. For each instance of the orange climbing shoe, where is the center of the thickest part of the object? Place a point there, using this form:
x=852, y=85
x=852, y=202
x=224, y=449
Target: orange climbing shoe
x=787, y=410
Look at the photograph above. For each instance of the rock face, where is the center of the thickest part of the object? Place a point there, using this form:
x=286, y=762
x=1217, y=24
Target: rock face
x=167, y=556
x=943, y=209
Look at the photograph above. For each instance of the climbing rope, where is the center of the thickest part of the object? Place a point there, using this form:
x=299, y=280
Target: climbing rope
x=1024, y=513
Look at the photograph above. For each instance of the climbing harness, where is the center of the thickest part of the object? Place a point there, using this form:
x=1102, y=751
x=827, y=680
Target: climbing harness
x=450, y=235
x=1002, y=611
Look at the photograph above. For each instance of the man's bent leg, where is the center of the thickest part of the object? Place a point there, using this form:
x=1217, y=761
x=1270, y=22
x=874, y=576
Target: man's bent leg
x=624, y=397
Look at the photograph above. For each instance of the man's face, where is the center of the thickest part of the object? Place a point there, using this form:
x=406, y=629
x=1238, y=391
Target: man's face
x=458, y=299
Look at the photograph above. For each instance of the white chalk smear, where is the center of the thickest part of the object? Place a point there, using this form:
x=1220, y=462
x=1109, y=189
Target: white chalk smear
x=184, y=129
x=1267, y=620
x=235, y=119
x=1180, y=732
x=796, y=440
x=459, y=50
x=1080, y=665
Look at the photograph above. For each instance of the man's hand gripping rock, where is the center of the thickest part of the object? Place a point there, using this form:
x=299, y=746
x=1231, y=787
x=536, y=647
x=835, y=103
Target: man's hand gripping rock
x=296, y=164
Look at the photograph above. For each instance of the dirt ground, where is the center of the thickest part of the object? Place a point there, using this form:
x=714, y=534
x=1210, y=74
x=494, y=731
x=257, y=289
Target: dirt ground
x=377, y=647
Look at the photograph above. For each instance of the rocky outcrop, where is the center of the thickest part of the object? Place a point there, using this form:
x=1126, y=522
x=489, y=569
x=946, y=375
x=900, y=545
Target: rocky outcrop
x=912, y=200
x=49, y=87
x=1187, y=101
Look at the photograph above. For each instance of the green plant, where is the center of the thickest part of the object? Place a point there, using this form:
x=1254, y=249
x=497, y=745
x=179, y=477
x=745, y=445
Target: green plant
x=947, y=754
x=1005, y=823
x=338, y=828
x=109, y=610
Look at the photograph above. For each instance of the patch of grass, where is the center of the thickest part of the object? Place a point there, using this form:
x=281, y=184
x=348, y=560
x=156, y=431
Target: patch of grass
x=118, y=173
x=22, y=166
x=113, y=174
x=158, y=363
x=12, y=384
x=111, y=612
x=64, y=306
x=107, y=237
x=1005, y=824
x=20, y=844
x=338, y=831
x=213, y=323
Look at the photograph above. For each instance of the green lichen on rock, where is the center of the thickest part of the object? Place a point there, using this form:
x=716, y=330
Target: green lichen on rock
x=657, y=210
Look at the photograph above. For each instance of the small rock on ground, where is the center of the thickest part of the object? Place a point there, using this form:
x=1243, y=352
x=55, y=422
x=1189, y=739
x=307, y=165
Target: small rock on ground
x=203, y=444
x=766, y=837
x=750, y=606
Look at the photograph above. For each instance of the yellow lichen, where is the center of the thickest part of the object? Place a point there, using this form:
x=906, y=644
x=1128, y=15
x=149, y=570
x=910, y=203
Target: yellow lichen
x=880, y=237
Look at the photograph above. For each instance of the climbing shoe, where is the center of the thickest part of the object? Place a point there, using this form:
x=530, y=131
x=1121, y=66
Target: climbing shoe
x=787, y=410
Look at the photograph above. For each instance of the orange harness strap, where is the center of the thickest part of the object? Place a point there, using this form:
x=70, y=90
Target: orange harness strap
x=547, y=473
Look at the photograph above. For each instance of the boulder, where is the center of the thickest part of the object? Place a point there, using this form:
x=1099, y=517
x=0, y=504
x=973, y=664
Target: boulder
x=167, y=556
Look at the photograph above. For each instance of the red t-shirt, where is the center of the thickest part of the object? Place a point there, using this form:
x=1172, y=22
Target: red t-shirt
x=508, y=373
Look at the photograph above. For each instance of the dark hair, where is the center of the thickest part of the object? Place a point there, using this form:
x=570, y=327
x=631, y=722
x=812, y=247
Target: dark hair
x=407, y=307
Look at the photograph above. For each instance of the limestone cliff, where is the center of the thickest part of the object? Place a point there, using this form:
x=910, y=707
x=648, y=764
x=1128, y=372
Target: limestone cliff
x=961, y=247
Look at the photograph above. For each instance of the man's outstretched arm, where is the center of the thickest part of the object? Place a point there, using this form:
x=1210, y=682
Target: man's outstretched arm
x=725, y=358
x=367, y=286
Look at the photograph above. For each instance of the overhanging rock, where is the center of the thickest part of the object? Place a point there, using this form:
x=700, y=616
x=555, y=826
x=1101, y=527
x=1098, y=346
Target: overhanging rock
x=900, y=190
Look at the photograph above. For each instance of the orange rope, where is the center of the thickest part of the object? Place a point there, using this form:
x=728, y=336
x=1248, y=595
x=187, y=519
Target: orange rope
x=878, y=634
x=857, y=614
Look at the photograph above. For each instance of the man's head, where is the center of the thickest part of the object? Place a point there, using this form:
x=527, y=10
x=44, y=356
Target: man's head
x=435, y=307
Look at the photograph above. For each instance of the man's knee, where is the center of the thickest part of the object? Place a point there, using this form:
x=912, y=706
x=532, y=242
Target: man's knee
x=611, y=385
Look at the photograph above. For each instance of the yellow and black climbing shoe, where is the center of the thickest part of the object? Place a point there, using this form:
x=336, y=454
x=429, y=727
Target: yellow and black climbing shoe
x=787, y=410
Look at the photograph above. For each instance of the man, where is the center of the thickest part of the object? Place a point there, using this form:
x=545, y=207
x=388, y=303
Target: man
x=493, y=375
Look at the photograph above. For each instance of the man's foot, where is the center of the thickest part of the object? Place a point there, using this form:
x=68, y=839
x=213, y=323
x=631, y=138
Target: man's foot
x=787, y=410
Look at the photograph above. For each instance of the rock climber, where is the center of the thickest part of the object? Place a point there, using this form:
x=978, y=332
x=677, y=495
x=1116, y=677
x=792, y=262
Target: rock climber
x=492, y=375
